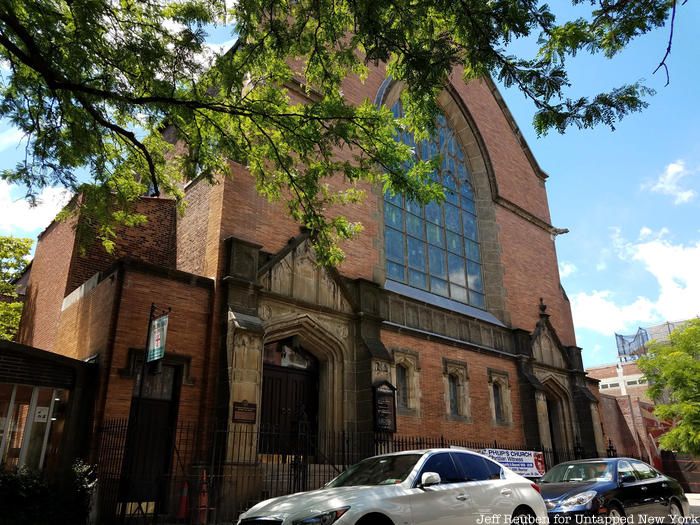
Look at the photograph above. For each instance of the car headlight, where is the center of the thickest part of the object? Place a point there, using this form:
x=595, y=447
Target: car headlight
x=323, y=519
x=583, y=498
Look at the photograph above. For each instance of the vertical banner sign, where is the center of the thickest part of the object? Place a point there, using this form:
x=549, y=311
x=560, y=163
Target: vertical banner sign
x=156, y=340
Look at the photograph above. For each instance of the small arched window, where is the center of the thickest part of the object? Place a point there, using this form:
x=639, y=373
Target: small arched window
x=436, y=247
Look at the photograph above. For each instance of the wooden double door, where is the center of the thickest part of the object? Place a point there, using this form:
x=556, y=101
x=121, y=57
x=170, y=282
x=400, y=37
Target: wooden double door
x=289, y=412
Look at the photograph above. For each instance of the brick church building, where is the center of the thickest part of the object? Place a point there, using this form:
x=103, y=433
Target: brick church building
x=456, y=309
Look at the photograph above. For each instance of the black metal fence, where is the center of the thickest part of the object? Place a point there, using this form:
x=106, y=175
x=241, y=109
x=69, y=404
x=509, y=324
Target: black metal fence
x=242, y=467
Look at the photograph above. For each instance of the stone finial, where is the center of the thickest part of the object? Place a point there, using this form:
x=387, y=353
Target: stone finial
x=543, y=307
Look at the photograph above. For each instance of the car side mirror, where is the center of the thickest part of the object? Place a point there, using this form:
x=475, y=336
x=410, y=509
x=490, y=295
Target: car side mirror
x=627, y=478
x=429, y=478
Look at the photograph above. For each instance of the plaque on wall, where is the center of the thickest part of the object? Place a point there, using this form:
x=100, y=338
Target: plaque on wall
x=384, y=407
x=244, y=412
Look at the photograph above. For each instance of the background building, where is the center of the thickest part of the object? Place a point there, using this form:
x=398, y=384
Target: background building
x=627, y=411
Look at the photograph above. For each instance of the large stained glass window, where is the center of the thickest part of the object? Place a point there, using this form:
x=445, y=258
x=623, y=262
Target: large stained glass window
x=436, y=247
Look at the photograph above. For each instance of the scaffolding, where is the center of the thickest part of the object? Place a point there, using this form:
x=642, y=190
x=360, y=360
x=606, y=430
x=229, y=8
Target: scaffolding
x=631, y=347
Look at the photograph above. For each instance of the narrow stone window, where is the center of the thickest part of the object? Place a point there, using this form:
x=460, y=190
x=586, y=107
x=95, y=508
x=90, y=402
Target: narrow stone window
x=453, y=382
x=456, y=379
x=401, y=386
x=498, y=402
x=406, y=381
x=500, y=394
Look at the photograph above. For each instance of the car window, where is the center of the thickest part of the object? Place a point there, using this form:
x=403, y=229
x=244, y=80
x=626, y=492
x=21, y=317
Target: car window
x=474, y=468
x=579, y=471
x=625, y=469
x=442, y=464
x=494, y=469
x=644, y=471
x=380, y=470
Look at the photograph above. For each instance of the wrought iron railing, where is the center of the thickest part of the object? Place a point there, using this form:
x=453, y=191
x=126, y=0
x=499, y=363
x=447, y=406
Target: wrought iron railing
x=241, y=467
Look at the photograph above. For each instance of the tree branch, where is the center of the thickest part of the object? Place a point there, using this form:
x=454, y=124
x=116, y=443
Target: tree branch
x=668, y=48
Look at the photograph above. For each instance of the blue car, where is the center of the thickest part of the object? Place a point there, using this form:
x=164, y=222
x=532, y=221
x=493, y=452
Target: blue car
x=624, y=489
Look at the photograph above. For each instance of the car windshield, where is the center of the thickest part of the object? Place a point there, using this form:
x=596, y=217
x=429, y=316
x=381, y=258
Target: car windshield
x=575, y=472
x=381, y=470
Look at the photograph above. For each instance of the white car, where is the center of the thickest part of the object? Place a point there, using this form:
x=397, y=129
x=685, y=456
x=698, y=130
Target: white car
x=441, y=486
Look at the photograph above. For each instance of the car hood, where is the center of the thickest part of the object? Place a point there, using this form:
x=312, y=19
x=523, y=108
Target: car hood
x=560, y=491
x=304, y=504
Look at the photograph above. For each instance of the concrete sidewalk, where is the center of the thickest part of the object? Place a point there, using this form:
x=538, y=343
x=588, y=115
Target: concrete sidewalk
x=694, y=501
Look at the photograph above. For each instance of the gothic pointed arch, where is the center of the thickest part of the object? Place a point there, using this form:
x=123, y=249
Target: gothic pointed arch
x=330, y=352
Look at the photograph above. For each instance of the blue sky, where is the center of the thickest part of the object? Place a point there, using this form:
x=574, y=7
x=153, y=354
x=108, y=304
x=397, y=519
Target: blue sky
x=630, y=198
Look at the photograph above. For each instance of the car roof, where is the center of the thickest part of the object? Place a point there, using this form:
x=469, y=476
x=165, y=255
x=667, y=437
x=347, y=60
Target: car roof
x=598, y=460
x=430, y=451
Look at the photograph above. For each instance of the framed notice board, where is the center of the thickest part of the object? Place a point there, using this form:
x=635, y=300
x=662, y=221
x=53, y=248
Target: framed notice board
x=384, y=407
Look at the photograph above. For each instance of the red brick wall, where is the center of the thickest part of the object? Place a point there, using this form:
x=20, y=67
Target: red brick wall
x=433, y=420
x=616, y=425
x=47, y=285
x=59, y=267
x=84, y=326
x=530, y=272
x=152, y=242
x=514, y=173
x=89, y=327
x=188, y=324
x=85, y=330
x=192, y=227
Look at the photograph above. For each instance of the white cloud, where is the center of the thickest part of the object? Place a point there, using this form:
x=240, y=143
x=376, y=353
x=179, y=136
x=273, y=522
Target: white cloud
x=17, y=217
x=9, y=138
x=599, y=311
x=669, y=183
x=566, y=269
x=673, y=266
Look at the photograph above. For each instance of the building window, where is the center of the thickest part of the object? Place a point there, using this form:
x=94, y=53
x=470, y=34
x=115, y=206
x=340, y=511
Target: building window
x=501, y=405
x=406, y=380
x=436, y=247
x=456, y=389
x=498, y=402
x=604, y=386
x=32, y=420
x=401, y=386
x=453, y=382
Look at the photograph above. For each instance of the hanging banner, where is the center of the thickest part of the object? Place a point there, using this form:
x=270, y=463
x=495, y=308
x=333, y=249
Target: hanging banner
x=156, y=341
x=527, y=463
